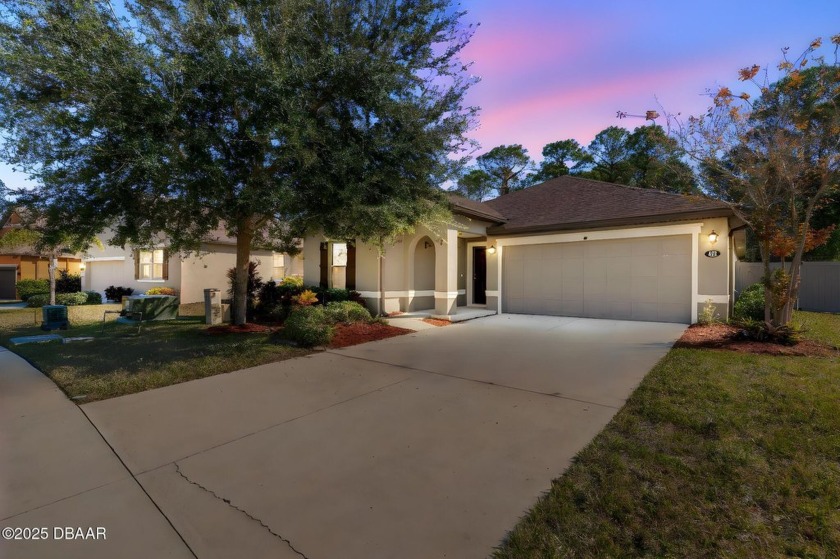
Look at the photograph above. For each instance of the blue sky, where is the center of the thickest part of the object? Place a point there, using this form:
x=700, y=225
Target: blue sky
x=552, y=70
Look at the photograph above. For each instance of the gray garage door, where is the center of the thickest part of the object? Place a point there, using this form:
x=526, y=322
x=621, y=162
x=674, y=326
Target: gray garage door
x=628, y=279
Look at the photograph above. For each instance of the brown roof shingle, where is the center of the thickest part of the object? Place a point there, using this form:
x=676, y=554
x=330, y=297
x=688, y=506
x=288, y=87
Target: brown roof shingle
x=473, y=208
x=572, y=203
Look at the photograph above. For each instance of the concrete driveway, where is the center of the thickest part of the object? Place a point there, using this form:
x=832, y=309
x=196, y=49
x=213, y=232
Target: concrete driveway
x=426, y=445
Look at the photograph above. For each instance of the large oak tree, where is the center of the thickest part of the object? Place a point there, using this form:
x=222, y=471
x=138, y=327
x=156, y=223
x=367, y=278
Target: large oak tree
x=263, y=117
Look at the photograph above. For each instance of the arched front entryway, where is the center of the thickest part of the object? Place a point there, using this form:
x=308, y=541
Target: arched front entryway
x=424, y=275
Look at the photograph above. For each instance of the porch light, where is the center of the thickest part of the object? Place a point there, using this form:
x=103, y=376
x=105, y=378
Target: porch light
x=491, y=249
x=82, y=267
x=713, y=237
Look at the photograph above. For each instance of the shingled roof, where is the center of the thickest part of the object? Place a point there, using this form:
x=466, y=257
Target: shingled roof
x=471, y=208
x=575, y=203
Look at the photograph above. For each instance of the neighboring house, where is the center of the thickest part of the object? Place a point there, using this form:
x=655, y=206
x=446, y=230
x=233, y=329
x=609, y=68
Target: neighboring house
x=566, y=247
x=142, y=269
x=24, y=263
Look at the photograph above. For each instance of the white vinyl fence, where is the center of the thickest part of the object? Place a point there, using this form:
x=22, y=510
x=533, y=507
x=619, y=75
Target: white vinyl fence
x=819, y=289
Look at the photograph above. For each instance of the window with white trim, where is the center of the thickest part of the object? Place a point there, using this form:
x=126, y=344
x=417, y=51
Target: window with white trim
x=151, y=264
x=339, y=254
x=278, y=266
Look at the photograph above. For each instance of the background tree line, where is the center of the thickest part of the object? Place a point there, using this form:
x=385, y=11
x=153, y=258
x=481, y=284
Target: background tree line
x=647, y=157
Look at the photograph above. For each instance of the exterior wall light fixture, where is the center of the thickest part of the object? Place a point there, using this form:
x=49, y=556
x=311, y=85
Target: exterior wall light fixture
x=491, y=249
x=713, y=237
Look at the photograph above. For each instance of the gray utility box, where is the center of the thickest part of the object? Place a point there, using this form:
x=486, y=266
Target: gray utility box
x=213, y=306
x=54, y=317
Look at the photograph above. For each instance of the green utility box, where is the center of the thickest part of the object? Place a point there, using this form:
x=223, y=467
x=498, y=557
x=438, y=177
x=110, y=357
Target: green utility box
x=54, y=317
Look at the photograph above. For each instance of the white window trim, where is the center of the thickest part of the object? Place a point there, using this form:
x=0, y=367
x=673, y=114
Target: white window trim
x=151, y=281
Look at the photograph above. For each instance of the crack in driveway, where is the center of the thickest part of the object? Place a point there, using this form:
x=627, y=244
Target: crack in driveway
x=243, y=511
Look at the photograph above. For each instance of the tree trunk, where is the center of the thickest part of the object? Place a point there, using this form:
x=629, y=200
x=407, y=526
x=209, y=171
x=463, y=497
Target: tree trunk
x=764, y=245
x=244, y=237
x=51, y=270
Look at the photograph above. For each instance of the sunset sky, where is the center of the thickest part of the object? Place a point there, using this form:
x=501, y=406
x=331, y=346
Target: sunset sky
x=554, y=69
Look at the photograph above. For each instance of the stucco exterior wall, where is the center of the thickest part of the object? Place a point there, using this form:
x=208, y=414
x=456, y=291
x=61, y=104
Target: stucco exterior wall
x=112, y=265
x=209, y=269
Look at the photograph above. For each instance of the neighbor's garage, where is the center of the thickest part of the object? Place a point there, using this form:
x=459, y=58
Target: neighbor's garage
x=645, y=279
x=8, y=277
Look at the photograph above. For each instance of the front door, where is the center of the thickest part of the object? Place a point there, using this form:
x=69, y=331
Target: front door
x=479, y=276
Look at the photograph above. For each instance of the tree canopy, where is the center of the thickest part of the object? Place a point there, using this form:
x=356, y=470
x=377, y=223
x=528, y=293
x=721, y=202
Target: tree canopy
x=774, y=158
x=264, y=117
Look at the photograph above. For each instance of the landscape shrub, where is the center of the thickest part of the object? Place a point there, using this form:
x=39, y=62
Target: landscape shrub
x=93, y=298
x=274, y=300
x=65, y=282
x=308, y=326
x=750, y=304
x=346, y=312
x=28, y=287
x=356, y=297
x=307, y=298
x=69, y=299
x=162, y=291
x=292, y=282
x=117, y=293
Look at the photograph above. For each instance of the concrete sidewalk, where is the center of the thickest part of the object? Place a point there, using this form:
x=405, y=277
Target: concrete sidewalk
x=57, y=472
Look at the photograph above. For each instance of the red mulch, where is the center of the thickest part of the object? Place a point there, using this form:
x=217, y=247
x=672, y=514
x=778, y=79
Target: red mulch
x=248, y=328
x=437, y=322
x=360, y=332
x=725, y=336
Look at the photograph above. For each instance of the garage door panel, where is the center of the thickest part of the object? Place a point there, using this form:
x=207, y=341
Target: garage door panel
x=573, y=268
x=645, y=266
x=619, y=286
x=572, y=288
x=672, y=312
x=676, y=246
x=621, y=310
x=572, y=250
x=644, y=311
x=673, y=292
x=552, y=252
x=630, y=279
x=595, y=268
x=643, y=290
x=571, y=307
x=676, y=265
x=595, y=287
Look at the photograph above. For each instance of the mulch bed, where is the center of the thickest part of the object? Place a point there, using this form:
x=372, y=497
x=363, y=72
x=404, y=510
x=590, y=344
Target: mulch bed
x=437, y=322
x=248, y=328
x=360, y=332
x=726, y=336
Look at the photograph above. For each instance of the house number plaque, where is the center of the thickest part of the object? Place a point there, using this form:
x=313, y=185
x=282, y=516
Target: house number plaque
x=712, y=253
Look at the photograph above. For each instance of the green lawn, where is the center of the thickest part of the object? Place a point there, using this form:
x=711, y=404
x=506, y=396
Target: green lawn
x=121, y=362
x=717, y=454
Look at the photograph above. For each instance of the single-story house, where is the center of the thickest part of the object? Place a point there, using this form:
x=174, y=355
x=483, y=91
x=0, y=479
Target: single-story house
x=23, y=262
x=566, y=247
x=190, y=275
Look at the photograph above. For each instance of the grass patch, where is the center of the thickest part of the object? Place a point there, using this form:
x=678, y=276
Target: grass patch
x=820, y=327
x=120, y=362
x=716, y=454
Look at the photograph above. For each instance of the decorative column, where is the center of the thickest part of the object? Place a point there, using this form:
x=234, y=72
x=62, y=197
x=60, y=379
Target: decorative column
x=446, y=274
